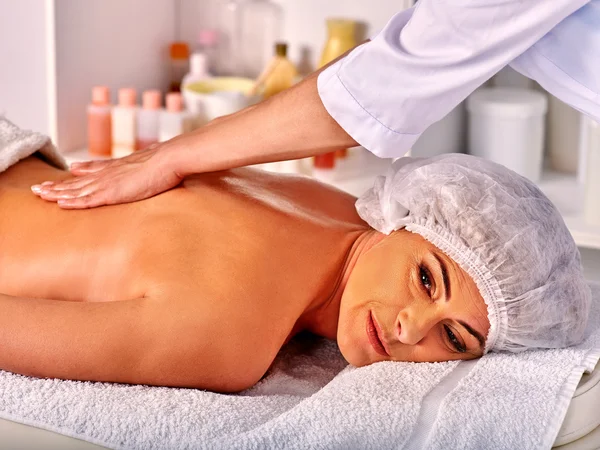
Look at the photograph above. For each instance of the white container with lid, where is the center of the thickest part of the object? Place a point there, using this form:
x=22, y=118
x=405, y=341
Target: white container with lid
x=563, y=135
x=506, y=125
x=591, y=208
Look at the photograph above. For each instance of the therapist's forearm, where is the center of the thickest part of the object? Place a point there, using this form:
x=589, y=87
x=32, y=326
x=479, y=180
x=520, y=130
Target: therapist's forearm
x=291, y=125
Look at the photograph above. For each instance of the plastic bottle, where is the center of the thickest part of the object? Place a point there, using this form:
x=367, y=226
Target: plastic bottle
x=279, y=75
x=341, y=37
x=99, y=123
x=261, y=23
x=198, y=70
x=174, y=120
x=180, y=54
x=124, y=123
x=147, y=120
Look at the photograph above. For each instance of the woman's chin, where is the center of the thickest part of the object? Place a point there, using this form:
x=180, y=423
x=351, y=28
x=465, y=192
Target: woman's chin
x=352, y=352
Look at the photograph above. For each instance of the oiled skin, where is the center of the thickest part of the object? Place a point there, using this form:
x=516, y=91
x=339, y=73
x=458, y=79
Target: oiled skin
x=199, y=286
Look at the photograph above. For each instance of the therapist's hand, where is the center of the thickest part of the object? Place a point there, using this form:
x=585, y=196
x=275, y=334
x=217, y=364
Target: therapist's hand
x=135, y=177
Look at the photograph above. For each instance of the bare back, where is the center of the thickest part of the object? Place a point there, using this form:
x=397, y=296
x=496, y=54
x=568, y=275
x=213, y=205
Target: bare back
x=242, y=250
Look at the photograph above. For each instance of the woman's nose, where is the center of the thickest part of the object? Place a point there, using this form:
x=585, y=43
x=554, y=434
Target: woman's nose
x=413, y=324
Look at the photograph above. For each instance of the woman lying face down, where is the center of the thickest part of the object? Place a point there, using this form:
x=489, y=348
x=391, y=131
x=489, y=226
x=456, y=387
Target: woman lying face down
x=444, y=258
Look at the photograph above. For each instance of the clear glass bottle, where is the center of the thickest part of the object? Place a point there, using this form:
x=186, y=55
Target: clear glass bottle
x=228, y=61
x=261, y=27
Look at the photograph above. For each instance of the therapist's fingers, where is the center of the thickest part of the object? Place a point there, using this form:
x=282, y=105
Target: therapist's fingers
x=54, y=195
x=86, y=167
x=72, y=183
x=87, y=201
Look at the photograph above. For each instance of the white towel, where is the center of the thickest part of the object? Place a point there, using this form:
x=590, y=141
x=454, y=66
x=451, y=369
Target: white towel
x=17, y=144
x=312, y=399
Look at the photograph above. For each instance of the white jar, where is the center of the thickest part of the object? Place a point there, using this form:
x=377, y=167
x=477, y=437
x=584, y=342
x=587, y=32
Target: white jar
x=445, y=136
x=563, y=136
x=506, y=125
x=591, y=203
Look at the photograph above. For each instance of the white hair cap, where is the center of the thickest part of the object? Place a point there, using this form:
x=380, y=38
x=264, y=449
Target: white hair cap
x=500, y=229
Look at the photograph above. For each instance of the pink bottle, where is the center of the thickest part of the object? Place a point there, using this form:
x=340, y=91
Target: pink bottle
x=99, y=123
x=148, y=120
x=175, y=120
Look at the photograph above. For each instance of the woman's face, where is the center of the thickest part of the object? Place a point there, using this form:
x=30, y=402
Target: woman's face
x=425, y=306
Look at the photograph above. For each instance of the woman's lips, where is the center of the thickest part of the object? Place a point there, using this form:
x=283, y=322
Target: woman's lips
x=373, y=334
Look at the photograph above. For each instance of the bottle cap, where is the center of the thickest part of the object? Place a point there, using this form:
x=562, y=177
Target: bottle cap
x=174, y=102
x=179, y=50
x=100, y=95
x=324, y=161
x=127, y=97
x=281, y=49
x=208, y=38
x=151, y=99
x=198, y=63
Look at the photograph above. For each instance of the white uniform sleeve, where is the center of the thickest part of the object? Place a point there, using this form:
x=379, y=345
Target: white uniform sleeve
x=566, y=61
x=426, y=61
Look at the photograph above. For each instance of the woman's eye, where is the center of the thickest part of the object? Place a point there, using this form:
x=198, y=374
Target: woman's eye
x=454, y=340
x=425, y=278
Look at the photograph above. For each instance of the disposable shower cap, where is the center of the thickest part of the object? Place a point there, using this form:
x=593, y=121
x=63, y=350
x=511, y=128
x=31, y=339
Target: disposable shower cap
x=500, y=229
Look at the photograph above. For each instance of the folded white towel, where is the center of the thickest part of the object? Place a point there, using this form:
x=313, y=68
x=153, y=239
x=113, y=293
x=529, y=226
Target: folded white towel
x=312, y=399
x=17, y=144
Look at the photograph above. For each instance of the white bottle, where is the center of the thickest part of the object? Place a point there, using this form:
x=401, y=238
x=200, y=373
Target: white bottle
x=198, y=72
x=174, y=120
x=124, y=124
x=591, y=208
x=147, y=120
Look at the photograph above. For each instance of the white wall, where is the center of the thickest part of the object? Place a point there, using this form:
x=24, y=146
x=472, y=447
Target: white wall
x=110, y=42
x=24, y=91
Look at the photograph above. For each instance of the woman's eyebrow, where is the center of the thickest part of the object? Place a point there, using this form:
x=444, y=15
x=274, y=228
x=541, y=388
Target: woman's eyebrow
x=476, y=334
x=444, y=275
